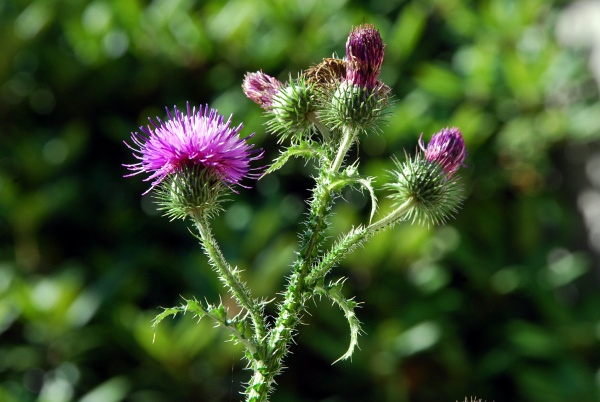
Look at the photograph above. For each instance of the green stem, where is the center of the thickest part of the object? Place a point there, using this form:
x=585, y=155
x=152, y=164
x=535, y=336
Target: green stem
x=347, y=138
x=297, y=290
x=296, y=293
x=393, y=217
x=353, y=239
x=230, y=277
x=312, y=116
x=259, y=387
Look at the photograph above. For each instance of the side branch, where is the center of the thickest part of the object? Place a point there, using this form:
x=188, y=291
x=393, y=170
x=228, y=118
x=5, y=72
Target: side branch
x=231, y=278
x=217, y=314
x=353, y=239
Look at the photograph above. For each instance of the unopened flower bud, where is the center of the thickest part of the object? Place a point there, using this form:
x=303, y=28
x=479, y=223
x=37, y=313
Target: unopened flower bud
x=355, y=107
x=261, y=88
x=427, y=181
x=446, y=148
x=364, y=56
x=291, y=110
x=359, y=100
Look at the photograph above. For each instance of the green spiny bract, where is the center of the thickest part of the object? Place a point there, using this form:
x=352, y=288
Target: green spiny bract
x=357, y=108
x=434, y=196
x=193, y=190
x=292, y=110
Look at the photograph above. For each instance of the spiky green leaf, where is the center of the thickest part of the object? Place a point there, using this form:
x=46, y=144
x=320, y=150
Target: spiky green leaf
x=303, y=149
x=334, y=293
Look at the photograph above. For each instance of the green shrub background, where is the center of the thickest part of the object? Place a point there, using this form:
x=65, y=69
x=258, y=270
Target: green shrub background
x=501, y=303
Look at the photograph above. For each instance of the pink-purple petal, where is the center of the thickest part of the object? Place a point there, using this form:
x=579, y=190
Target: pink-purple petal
x=198, y=137
x=447, y=148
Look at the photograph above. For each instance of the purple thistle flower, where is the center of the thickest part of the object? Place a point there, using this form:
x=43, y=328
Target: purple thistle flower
x=446, y=148
x=261, y=88
x=201, y=137
x=364, y=56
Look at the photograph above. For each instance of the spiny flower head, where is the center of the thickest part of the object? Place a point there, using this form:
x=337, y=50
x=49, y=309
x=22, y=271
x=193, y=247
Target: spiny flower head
x=427, y=182
x=261, y=88
x=359, y=100
x=290, y=106
x=447, y=148
x=201, y=137
x=355, y=107
x=292, y=110
x=192, y=158
x=364, y=56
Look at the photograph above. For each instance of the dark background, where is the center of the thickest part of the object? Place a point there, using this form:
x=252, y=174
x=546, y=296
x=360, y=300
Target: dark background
x=501, y=303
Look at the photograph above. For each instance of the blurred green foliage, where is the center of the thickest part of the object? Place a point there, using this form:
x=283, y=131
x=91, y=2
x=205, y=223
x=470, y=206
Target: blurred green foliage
x=501, y=303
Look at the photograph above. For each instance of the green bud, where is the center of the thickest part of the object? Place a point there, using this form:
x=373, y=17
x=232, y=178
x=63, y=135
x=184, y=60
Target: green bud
x=434, y=197
x=357, y=108
x=291, y=110
x=193, y=190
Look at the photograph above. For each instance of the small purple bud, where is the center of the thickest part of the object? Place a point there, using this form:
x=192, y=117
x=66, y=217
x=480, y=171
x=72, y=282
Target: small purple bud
x=261, y=88
x=447, y=148
x=364, y=56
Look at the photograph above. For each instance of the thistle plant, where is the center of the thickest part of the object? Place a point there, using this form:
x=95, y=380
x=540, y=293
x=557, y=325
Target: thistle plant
x=195, y=160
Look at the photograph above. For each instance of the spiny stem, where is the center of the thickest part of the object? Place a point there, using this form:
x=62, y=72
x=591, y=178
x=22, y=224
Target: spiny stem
x=393, y=217
x=353, y=239
x=344, y=246
x=259, y=385
x=296, y=292
x=231, y=278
